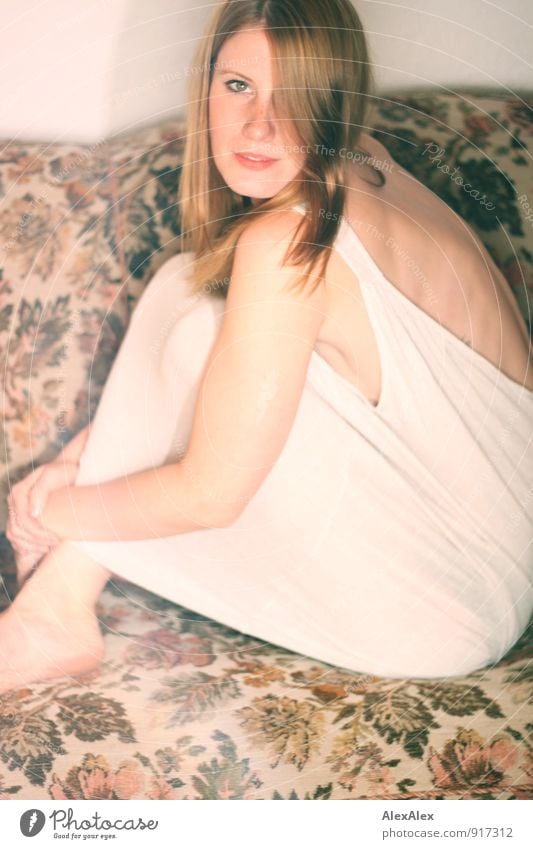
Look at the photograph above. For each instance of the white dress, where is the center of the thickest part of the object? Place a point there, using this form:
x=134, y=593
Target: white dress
x=393, y=540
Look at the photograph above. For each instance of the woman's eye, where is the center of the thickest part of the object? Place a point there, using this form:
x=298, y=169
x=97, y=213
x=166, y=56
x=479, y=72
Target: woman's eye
x=238, y=82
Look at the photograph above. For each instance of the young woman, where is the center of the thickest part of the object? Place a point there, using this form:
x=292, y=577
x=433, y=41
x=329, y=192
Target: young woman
x=317, y=429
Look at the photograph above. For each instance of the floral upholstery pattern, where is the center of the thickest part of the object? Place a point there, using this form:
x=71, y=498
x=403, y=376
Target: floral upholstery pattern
x=184, y=707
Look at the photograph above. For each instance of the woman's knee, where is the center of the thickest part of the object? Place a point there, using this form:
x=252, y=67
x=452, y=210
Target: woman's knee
x=453, y=654
x=190, y=340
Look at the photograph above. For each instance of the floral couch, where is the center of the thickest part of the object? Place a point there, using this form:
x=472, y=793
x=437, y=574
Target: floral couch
x=184, y=707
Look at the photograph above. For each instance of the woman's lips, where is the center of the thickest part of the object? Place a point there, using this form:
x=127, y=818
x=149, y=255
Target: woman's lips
x=254, y=164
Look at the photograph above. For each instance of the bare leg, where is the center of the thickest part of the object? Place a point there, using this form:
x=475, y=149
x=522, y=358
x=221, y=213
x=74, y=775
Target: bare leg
x=51, y=628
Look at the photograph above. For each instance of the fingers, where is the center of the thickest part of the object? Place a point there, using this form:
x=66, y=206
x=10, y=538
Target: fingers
x=54, y=476
x=27, y=550
x=25, y=545
x=31, y=532
x=17, y=501
x=20, y=535
x=30, y=556
x=26, y=527
x=28, y=497
x=37, y=494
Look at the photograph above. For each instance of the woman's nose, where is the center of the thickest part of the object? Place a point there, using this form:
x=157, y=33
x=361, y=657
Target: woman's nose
x=259, y=121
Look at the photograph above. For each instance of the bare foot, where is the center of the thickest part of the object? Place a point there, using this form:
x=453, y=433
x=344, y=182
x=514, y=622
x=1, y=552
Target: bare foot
x=47, y=633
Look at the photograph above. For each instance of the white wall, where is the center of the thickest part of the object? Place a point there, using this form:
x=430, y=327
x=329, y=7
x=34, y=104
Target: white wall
x=85, y=69
x=80, y=71
x=450, y=43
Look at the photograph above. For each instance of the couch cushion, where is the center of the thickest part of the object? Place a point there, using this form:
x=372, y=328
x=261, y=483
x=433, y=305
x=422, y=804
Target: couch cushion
x=186, y=708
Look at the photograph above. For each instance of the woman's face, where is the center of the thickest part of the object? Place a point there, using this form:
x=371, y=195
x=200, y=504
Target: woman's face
x=241, y=120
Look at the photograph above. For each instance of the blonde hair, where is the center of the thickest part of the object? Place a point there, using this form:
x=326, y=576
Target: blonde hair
x=327, y=80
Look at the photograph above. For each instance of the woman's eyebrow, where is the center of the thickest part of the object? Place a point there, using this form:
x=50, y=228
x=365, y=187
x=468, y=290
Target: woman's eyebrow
x=227, y=70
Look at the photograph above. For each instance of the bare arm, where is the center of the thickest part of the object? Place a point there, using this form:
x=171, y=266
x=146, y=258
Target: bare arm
x=149, y=504
x=146, y=505
x=246, y=404
x=256, y=371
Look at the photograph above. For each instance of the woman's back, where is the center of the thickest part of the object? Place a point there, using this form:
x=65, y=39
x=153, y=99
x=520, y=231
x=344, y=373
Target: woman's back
x=430, y=255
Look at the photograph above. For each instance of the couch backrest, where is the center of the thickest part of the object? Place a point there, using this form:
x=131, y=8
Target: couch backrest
x=476, y=153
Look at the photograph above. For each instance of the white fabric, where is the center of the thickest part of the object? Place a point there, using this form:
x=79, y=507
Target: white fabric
x=394, y=541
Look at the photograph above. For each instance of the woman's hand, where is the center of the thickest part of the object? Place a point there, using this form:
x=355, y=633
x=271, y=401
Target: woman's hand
x=29, y=539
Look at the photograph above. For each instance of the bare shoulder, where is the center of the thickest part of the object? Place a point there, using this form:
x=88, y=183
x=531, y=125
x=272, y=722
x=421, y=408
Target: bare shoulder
x=268, y=229
x=260, y=253
x=376, y=148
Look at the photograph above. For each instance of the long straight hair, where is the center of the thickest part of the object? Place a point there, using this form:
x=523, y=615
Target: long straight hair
x=327, y=81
